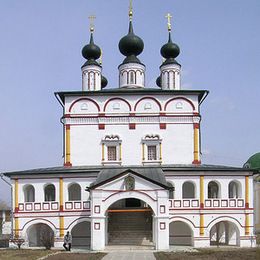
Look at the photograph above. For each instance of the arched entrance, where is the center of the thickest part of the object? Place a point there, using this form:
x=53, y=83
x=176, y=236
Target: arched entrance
x=40, y=234
x=81, y=235
x=224, y=233
x=129, y=222
x=180, y=234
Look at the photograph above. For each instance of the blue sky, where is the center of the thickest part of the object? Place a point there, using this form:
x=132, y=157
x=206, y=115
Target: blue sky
x=40, y=53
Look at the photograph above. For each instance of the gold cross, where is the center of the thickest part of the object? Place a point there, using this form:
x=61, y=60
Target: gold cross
x=91, y=22
x=130, y=9
x=169, y=16
x=100, y=59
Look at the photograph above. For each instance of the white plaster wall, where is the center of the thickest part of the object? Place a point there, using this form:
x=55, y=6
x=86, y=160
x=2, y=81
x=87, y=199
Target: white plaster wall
x=180, y=180
x=177, y=143
x=6, y=227
x=83, y=182
x=38, y=185
x=101, y=100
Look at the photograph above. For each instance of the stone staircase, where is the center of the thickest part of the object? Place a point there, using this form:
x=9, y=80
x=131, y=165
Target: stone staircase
x=130, y=228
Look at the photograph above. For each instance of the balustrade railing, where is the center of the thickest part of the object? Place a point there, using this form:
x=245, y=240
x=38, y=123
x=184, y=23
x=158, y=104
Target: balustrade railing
x=208, y=203
x=53, y=206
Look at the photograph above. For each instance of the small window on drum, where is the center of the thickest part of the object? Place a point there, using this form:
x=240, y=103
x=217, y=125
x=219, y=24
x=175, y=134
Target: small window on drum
x=132, y=77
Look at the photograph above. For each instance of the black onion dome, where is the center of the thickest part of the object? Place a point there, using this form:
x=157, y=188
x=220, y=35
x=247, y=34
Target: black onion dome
x=103, y=82
x=170, y=50
x=159, y=82
x=91, y=51
x=131, y=44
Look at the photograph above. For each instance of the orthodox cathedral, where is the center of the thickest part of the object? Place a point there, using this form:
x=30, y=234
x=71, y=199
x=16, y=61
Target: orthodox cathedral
x=132, y=172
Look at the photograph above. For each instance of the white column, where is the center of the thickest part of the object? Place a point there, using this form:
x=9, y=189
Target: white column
x=162, y=221
x=98, y=229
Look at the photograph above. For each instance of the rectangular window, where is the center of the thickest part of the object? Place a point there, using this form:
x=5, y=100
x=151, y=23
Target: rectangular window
x=152, y=152
x=111, y=153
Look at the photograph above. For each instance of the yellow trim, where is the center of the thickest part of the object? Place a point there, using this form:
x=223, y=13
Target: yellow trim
x=120, y=151
x=247, y=225
x=16, y=227
x=201, y=190
x=16, y=194
x=143, y=158
x=201, y=224
x=196, y=144
x=160, y=151
x=61, y=226
x=61, y=193
x=67, y=157
x=103, y=152
x=247, y=190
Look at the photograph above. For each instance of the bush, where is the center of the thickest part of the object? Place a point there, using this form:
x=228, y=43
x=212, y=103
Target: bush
x=46, y=237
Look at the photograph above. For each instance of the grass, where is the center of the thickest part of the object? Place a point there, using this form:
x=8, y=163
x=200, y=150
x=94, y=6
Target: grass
x=212, y=254
x=23, y=254
x=29, y=254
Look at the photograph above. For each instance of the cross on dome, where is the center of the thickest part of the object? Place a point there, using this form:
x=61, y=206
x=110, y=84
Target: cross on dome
x=130, y=10
x=169, y=16
x=91, y=22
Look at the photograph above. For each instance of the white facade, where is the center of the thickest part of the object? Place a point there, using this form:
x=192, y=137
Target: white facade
x=132, y=117
x=131, y=156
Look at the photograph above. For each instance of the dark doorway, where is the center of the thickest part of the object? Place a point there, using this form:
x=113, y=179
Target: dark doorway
x=132, y=203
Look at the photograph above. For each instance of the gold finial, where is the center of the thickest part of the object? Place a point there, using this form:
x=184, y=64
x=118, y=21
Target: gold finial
x=91, y=22
x=130, y=10
x=100, y=59
x=169, y=16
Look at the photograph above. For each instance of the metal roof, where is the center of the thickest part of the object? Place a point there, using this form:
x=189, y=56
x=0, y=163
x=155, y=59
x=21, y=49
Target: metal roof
x=154, y=175
x=94, y=169
x=125, y=91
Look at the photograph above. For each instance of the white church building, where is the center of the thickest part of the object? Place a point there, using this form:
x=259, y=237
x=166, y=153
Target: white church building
x=132, y=172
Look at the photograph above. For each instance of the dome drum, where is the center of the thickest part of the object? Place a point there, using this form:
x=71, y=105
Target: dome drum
x=131, y=75
x=91, y=78
x=170, y=76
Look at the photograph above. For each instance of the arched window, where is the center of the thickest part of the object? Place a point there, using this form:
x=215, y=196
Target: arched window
x=29, y=194
x=171, y=191
x=74, y=192
x=213, y=190
x=132, y=77
x=49, y=193
x=234, y=190
x=188, y=190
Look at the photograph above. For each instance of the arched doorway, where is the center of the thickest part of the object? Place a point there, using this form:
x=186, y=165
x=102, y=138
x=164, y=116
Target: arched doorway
x=129, y=222
x=81, y=234
x=40, y=234
x=224, y=233
x=180, y=234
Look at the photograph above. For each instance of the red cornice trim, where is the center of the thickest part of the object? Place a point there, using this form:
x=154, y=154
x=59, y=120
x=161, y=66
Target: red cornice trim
x=123, y=191
x=117, y=98
x=101, y=126
x=162, y=125
x=67, y=164
x=176, y=98
x=132, y=126
x=154, y=99
x=87, y=99
x=196, y=125
x=196, y=162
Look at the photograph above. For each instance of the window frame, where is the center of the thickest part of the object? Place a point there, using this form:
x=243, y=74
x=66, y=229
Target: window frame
x=148, y=141
x=111, y=141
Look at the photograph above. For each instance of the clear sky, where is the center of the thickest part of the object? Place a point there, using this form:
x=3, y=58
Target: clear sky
x=40, y=53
